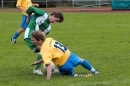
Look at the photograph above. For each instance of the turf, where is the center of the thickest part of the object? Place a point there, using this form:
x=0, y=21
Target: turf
x=101, y=38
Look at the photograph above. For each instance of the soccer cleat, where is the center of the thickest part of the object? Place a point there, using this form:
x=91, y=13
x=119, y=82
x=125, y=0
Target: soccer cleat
x=75, y=75
x=55, y=71
x=96, y=72
x=82, y=75
x=13, y=40
x=38, y=71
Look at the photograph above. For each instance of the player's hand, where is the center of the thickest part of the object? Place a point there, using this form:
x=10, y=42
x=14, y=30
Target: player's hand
x=36, y=5
x=28, y=20
x=34, y=63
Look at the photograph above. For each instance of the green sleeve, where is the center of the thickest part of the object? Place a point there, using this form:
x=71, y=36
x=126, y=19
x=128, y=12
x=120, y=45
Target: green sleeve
x=35, y=10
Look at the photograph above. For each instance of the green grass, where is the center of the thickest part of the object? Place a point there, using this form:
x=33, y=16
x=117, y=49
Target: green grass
x=101, y=38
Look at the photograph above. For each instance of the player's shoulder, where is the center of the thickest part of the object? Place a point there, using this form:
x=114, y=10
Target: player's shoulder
x=49, y=38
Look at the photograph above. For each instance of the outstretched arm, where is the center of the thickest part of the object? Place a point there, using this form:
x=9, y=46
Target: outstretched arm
x=35, y=10
x=37, y=62
x=35, y=4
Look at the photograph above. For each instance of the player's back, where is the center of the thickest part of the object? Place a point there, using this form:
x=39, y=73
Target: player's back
x=54, y=50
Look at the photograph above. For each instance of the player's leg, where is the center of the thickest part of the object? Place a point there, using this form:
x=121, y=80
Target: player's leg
x=13, y=39
x=38, y=58
x=32, y=46
x=68, y=67
x=88, y=66
x=22, y=29
x=37, y=68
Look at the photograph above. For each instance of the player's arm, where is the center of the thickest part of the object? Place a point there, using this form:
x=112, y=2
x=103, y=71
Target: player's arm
x=35, y=10
x=37, y=62
x=49, y=69
x=29, y=11
x=20, y=8
x=35, y=4
x=18, y=5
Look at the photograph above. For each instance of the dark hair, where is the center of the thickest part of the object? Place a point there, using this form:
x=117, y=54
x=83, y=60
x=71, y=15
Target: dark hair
x=38, y=35
x=58, y=15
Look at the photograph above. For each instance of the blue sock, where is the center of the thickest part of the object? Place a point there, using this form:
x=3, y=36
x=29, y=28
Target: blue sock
x=86, y=65
x=16, y=35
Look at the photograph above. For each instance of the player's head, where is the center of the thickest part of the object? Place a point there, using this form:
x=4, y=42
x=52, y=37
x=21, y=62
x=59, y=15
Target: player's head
x=38, y=37
x=56, y=17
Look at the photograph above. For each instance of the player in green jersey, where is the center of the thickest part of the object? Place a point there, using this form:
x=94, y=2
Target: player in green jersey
x=41, y=21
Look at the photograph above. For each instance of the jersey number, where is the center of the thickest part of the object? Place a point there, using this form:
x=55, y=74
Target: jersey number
x=60, y=46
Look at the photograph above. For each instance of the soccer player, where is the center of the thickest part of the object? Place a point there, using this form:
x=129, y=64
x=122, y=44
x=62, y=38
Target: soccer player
x=52, y=50
x=41, y=21
x=23, y=6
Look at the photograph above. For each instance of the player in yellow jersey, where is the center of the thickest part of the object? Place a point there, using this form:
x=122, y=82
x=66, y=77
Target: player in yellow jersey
x=23, y=5
x=52, y=50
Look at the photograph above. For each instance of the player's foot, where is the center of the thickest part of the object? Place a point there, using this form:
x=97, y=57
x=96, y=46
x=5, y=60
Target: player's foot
x=96, y=72
x=76, y=75
x=38, y=71
x=13, y=40
x=55, y=71
x=82, y=75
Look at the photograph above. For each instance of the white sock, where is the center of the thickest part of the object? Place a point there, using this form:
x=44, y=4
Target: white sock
x=92, y=70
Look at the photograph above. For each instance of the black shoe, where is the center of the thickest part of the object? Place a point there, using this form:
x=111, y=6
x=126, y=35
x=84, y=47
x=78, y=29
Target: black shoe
x=13, y=40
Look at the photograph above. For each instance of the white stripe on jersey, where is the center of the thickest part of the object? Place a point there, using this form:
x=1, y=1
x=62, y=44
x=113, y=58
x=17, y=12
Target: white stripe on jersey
x=40, y=20
x=26, y=33
x=46, y=31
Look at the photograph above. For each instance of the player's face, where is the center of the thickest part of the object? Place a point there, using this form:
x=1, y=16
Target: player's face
x=35, y=42
x=53, y=19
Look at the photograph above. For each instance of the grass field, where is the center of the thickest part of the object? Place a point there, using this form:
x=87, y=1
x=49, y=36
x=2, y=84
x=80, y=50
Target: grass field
x=101, y=38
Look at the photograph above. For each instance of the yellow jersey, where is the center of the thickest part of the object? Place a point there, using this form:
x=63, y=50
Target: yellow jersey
x=25, y=4
x=52, y=50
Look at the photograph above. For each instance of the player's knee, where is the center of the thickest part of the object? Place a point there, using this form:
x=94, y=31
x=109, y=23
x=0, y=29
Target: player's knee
x=81, y=60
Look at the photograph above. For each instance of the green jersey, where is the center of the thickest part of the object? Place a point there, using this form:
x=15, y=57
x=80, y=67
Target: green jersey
x=40, y=21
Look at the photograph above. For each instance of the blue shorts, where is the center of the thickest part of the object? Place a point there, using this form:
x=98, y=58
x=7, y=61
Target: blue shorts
x=24, y=24
x=68, y=67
